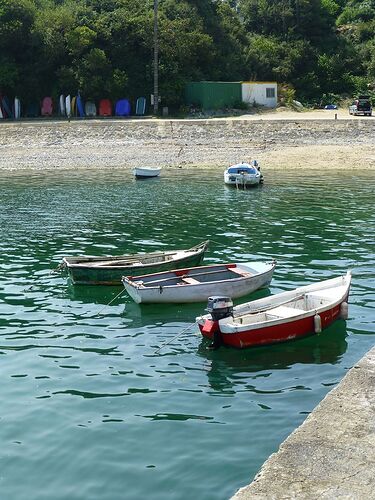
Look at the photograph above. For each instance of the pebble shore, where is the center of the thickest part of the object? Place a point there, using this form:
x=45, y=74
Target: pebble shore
x=302, y=142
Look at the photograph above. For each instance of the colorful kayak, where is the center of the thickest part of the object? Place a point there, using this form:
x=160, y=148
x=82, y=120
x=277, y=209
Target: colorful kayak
x=6, y=107
x=80, y=107
x=105, y=107
x=140, y=107
x=33, y=110
x=122, y=108
x=73, y=106
x=62, y=105
x=90, y=108
x=17, y=108
x=68, y=106
x=47, y=106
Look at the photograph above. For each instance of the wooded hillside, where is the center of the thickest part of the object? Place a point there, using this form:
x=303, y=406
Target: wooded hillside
x=104, y=48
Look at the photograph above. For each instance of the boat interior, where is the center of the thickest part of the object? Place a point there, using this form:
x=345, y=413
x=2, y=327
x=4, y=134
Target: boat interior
x=297, y=306
x=141, y=261
x=197, y=276
x=242, y=169
x=131, y=260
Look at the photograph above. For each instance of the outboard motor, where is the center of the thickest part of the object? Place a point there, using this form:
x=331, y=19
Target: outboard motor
x=219, y=307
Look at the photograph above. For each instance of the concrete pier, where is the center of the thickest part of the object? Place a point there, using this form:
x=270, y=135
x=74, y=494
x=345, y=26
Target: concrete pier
x=332, y=454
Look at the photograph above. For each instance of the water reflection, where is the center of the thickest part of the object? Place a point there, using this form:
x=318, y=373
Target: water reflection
x=226, y=363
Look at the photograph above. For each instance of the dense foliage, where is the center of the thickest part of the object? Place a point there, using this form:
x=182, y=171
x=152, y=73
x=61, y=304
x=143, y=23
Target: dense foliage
x=104, y=48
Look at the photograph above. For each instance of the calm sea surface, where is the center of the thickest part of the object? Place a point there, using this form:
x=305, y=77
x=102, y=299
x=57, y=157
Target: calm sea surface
x=88, y=409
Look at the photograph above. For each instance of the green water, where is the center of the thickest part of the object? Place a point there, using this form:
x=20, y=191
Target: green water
x=88, y=409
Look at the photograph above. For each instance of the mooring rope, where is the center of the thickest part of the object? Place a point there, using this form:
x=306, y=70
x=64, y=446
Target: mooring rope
x=110, y=302
x=58, y=269
x=175, y=337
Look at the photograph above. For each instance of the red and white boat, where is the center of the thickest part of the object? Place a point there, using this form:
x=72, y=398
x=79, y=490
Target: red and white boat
x=278, y=318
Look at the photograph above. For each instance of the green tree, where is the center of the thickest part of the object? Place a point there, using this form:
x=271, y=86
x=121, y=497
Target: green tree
x=16, y=44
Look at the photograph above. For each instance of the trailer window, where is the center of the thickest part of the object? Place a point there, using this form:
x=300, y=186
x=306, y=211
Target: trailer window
x=270, y=92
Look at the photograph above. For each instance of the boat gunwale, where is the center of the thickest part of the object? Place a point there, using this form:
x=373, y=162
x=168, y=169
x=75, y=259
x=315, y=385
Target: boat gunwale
x=235, y=328
x=312, y=287
x=189, y=252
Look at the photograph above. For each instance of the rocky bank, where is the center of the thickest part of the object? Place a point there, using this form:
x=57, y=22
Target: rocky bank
x=212, y=143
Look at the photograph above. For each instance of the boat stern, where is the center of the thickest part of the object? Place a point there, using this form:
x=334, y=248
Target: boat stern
x=207, y=326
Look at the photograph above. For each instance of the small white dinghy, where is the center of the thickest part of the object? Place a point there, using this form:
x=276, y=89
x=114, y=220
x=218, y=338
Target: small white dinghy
x=196, y=284
x=146, y=172
x=243, y=175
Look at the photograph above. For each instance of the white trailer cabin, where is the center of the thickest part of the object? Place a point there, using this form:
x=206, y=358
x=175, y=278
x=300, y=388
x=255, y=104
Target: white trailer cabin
x=263, y=93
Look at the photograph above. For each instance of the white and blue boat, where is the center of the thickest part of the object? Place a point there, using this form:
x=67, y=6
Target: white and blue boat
x=243, y=174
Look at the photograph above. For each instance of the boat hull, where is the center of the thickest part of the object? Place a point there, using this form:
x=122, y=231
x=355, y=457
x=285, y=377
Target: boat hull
x=112, y=276
x=241, y=180
x=145, y=173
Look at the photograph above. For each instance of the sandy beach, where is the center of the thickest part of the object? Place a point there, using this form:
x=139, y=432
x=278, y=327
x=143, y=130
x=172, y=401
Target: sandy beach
x=279, y=139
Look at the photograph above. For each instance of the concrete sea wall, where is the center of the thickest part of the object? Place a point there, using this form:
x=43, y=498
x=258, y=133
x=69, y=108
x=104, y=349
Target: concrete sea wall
x=331, y=455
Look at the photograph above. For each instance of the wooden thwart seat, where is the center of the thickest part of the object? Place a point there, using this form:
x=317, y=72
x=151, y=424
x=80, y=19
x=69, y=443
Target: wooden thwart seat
x=284, y=312
x=239, y=271
x=190, y=281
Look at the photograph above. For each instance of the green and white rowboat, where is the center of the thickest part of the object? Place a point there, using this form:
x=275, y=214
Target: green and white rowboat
x=99, y=270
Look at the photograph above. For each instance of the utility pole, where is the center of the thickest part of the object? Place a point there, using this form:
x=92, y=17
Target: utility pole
x=156, y=59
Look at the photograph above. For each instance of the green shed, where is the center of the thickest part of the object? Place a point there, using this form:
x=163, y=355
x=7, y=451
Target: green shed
x=213, y=95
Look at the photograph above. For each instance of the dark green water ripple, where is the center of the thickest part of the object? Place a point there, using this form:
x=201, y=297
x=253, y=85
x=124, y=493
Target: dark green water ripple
x=89, y=408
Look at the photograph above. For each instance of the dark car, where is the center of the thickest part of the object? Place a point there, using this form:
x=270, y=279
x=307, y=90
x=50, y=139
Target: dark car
x=361, y=106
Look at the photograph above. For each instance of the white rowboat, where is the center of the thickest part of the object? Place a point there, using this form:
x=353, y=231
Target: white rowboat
x=196, y=284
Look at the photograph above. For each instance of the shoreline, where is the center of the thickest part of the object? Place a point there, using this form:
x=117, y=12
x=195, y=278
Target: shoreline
x=277, y=140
